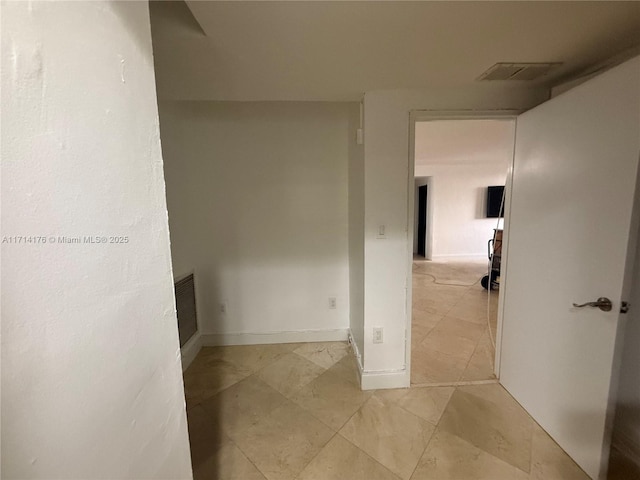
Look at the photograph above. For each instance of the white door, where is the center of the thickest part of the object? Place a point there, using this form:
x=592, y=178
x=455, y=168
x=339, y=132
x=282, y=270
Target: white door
x=574, y=180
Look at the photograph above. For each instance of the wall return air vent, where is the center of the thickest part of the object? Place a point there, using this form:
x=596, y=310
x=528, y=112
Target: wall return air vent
x=518, y=71
x=185, y=292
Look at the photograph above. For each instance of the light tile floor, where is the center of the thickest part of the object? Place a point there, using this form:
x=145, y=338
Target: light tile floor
x=296, y=411
x=449, y=335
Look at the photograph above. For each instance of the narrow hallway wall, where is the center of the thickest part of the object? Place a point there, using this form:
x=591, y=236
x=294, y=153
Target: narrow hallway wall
x=91, y=374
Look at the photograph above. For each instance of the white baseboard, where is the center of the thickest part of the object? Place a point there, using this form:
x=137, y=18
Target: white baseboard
x=464, y=383
x=627, y=445
x=378, y=380
x=356, y=353
x=466, y=256
x=302, y=336
x=190, y=350
x=385, y=380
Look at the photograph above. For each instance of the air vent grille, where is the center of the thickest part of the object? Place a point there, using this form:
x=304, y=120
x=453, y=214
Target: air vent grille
x=518, y=71
x=186, y=308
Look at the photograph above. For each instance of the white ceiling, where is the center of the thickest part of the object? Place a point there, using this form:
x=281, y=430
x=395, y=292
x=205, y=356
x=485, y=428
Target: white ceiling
x=463, y=142
x=288, y=50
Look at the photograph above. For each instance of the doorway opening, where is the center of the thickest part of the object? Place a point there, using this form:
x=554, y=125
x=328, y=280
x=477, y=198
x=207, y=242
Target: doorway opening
x=454, y=321
x=422, y=238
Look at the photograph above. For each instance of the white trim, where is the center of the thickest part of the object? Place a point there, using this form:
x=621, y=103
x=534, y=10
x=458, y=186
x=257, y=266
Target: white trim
x=453, y=256
x=302, y=336
x=190, y=349
x=356, y=352
x=408, y=286
x=429, y=183
x=430, y=115
x=506, y=227
x=455, y=384
x=385, y=380
x=378, y=380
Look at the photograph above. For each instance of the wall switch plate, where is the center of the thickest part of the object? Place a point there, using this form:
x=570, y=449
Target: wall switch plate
x=382, y=232
x=333, y=303
x=378, y=334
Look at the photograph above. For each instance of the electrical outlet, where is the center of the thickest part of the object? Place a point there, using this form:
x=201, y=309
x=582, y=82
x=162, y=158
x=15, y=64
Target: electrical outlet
x=333, y=303
x=223, y=307
x=377, y=335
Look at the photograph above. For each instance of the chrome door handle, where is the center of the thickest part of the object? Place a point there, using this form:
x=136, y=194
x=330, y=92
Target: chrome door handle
x=603, y=303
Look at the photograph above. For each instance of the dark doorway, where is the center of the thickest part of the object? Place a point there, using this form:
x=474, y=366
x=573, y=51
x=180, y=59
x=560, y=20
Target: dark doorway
x=422, y=220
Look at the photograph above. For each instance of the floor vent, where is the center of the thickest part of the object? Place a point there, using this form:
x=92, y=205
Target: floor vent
x=186, y=308
x=517, y=71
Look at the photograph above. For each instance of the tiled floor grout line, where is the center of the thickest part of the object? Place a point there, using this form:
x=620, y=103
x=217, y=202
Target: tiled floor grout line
x=413, y=472
x=361, y=450
x=320, y=450
x=244, y=454
x=354, y=413
x=432, y=434
x=535, y=423
x=337, y=432
x=254, y=374
x=319, y=419
x=488, y=452
x=471, y=356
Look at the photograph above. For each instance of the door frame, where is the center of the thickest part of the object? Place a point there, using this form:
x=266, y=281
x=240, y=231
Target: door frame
x=428, y=216
x=433, y=115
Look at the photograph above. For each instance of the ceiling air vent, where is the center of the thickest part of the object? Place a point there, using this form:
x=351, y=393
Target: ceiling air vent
x=517, y=71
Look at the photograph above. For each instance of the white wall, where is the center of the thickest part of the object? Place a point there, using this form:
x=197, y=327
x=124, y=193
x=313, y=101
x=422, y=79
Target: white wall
x=356, y=237
x=91, y=378
x=459, y=195
x=386, y=202
x=257, y=196
x=478, y=155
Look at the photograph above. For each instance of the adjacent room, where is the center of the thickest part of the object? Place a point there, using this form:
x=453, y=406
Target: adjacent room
x=454, y=314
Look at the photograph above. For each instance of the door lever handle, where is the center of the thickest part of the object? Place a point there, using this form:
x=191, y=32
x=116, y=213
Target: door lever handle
x=603, y=303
